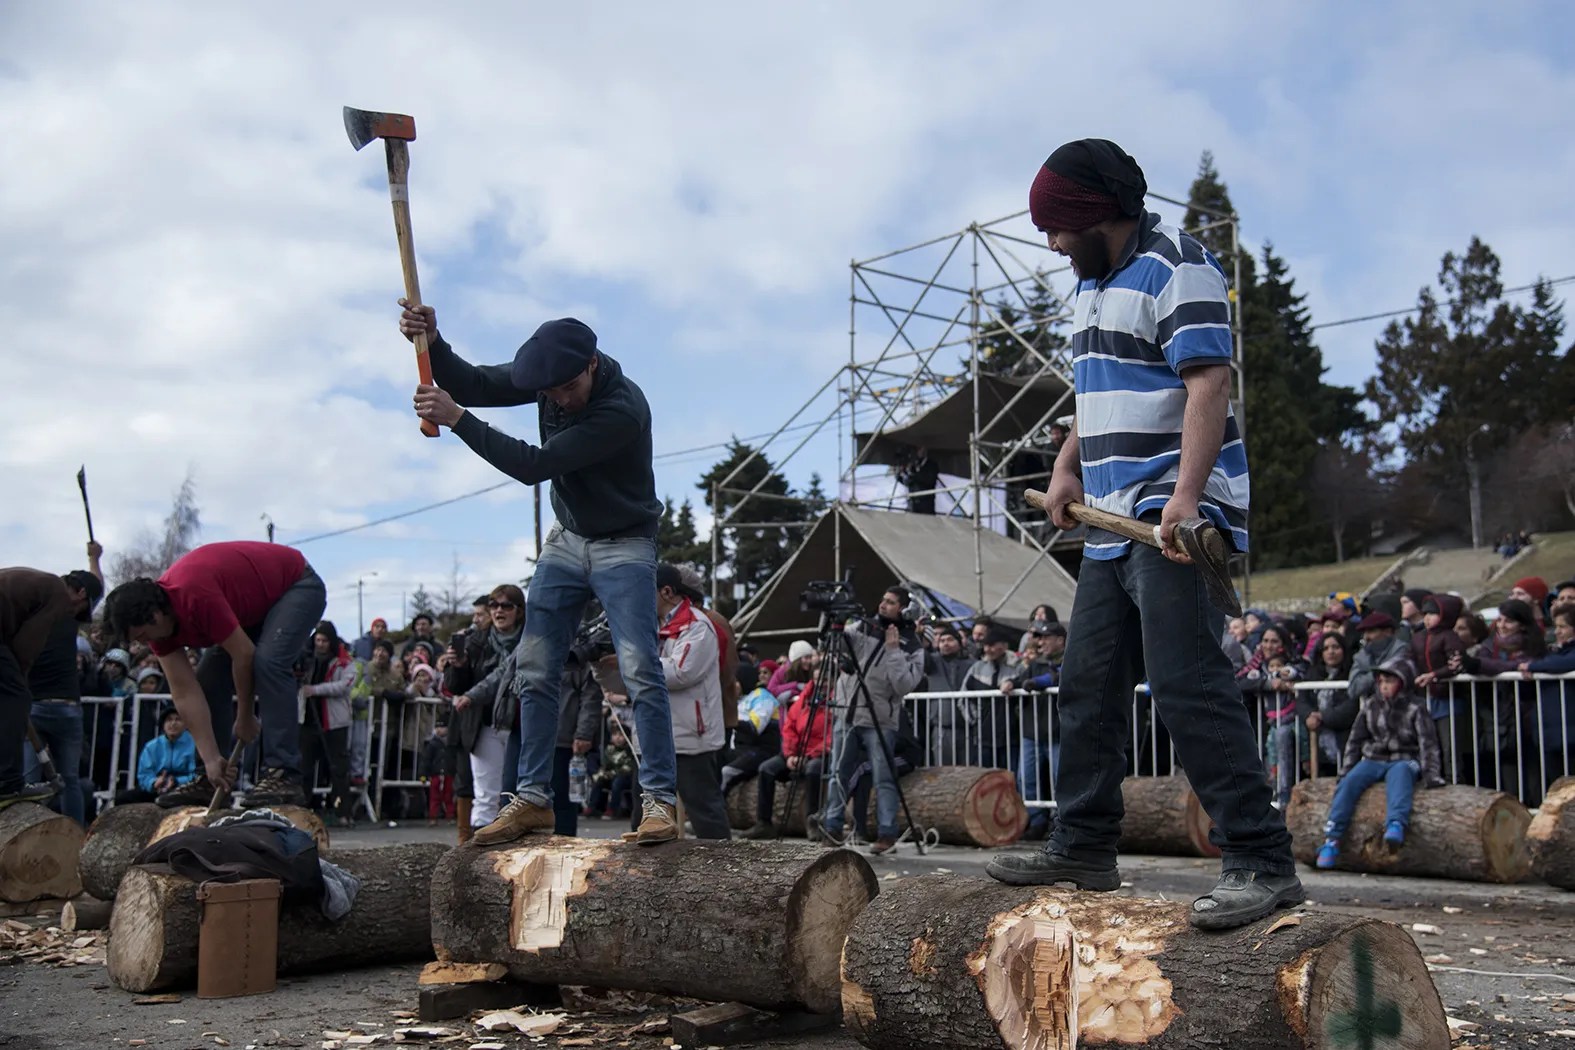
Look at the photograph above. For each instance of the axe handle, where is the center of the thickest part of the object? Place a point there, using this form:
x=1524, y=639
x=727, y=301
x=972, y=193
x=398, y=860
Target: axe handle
x=219, y=794
x=86, y=510
x=399, y=193
x=1131, y=528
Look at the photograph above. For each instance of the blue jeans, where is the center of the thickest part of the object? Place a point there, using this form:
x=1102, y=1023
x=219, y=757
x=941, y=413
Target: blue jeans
x=280, y=639
x=621, y=574
x=861, y=744
x=1144, y=615
x=60, y=727
x=1399, y=780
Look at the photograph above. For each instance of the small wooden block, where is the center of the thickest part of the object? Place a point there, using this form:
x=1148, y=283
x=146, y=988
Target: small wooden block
x=461, y=973
x=728, y=1023
x=444, y=1002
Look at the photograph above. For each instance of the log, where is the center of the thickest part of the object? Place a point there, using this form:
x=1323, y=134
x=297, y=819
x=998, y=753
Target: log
x=1457, y=832
x=1551, y=836
x=38, y=854
x=757, y=923
x=122, y=832
x=965, y=805
x=1164, y=817
x=85, y=913
x=744, y=798
x=153, y=929
x=941, y=961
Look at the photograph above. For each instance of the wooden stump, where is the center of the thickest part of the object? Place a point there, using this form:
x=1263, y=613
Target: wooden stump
x=85, y=913
x=1551, y=836
x=743, y=801
x=153, y=929
x=757, y=923
x=1164, y=817
x=38, y=854
x=940, y=962
x=1457, y=832
x=966, y=805
x=122, y=832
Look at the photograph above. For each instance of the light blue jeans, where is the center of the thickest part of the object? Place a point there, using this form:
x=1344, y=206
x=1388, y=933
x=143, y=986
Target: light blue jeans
x=621, y=574
x=862, y=744
x=1399, y=780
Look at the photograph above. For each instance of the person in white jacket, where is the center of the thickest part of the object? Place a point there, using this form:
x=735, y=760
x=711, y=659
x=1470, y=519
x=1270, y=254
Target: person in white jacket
x=690, y=655
x=324, y=704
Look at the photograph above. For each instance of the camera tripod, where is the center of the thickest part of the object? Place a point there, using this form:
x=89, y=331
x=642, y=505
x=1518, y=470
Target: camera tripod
x=835, y=647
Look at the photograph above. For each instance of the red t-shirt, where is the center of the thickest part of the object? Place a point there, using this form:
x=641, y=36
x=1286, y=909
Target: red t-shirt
x=221, y=586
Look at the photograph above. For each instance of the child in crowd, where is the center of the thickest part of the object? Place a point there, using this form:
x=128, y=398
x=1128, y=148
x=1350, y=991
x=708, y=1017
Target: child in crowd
x=1394, y=741
x=169, y=759
x=611, y=786
x=150, y=680
x=437, y=773
x=116, y=668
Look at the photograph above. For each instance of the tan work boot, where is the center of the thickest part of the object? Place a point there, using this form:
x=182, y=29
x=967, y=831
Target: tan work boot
x=518, y=818
x=658, y=823
x=462, y=819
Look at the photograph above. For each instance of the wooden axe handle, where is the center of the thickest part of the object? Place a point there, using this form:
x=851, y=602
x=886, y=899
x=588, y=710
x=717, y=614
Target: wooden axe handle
x=399, y=193
x=1131, y=528
x=219, y=794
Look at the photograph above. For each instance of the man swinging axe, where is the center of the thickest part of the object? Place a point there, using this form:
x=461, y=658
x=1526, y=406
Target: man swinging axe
x=253, y=606
x=1154, y=439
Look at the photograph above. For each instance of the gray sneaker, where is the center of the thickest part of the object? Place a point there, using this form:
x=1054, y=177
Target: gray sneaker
x=1241, y=897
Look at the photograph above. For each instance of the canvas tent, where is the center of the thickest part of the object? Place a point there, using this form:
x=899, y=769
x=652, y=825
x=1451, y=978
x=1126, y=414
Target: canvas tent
x=934, y=552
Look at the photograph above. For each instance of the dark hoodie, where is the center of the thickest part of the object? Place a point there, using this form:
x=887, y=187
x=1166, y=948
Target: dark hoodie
x=1398, y=730
x=1430, y=649
x=598, y=459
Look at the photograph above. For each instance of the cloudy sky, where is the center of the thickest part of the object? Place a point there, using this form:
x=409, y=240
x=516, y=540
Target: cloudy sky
x=199, y=273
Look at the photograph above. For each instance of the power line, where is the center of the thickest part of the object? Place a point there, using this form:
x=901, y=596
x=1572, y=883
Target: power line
x=403, y=514
x=1447, y=302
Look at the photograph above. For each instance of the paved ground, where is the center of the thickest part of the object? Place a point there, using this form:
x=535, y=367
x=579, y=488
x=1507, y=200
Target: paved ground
x=1520, y=930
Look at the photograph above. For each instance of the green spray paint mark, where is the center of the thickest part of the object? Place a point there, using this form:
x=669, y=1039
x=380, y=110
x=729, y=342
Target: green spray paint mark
x=1371, y=1020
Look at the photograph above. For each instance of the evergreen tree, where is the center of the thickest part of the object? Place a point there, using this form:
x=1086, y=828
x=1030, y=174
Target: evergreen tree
x=751, y=555
x=1009, y=329
x=421, y=601
x=151, y=553
x=1208, y=207
x=677, y=539
x=1469, y=372
x=815, y=499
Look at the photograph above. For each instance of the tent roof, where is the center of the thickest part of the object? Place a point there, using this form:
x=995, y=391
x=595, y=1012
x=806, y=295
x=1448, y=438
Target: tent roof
x=932, y=551
x=944, y=427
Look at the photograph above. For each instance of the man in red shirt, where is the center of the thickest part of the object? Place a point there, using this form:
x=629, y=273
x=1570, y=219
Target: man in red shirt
x=252, y=606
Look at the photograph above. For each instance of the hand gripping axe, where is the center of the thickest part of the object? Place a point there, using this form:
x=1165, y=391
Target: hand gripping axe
x=396, y=129
x=1198, y=537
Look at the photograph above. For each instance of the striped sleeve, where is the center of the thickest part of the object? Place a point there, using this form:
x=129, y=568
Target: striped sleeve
x=1193, y=312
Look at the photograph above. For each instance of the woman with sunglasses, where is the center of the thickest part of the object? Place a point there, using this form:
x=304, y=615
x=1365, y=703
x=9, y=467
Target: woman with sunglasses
x=481, y=723
x=1327, y=714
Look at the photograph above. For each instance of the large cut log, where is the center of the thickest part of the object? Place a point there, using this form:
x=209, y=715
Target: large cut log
x=756, y=923
x=965, y=805
x=38, y=854
x=1164, y=816
x=1457, y=832
x=941, y=961
x=1551, y=836
x=743, y=801
x=153, y=929
x=122, y=832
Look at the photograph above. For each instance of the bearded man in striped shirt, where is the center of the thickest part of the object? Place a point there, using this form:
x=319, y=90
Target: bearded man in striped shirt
x=1154, y=439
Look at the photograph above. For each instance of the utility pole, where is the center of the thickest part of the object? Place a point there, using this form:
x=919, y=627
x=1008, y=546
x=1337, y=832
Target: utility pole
x=1474, y=473
x=269, y=522
x=360, y=608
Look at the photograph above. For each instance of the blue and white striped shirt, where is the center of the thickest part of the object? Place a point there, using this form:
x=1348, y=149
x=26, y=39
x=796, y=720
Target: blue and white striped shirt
x=1163, y=309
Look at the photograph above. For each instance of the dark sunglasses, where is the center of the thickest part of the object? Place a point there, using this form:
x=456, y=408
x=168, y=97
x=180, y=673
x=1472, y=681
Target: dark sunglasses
x=502, y=605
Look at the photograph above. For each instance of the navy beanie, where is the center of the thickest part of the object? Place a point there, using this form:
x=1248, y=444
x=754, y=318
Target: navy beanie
x=555, y=354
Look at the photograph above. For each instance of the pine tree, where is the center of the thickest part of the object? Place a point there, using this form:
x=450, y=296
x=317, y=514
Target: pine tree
x=421, y=601
x=1010, y=328
x=815, y=499
x=1208, y=207
x=677, y=539
x=751, y=555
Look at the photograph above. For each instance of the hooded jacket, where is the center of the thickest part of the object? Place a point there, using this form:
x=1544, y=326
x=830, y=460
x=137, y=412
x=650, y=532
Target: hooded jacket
x=800, y=730
x=1398, y=730
x=689, y=655
x=598, y=459
x=327, y=701
x=1369, y=658
x=1431, y=649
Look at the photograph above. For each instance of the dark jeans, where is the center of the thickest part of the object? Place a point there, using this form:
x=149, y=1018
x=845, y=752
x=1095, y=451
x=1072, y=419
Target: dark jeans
x=565, y=813
x=60, y=727
x=279, y=639
x=14, y=703
x=773, y=771
x=1144, y=615
x=331, y=748
x=700, y=787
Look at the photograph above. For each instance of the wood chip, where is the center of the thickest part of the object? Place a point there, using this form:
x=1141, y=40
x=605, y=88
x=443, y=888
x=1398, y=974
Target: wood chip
x=529, y=1024
x=1282, y=922
x=1424, y=928
x=1451, y=910
x=1458, y=1026
x=157, y=1000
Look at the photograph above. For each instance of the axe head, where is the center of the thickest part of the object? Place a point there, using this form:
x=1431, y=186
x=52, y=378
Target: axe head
x=363, y=125
x=1202, y=541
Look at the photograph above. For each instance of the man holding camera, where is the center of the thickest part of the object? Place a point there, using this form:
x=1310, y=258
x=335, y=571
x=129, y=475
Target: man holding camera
x=881, y=663
x=596, y=451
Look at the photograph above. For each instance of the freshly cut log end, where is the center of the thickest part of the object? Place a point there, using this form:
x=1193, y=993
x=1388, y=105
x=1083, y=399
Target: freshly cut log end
x=1456, y=832
x=943, y=962
x=122, y=832
x=85, y=913
x=1165, y=818
x=1551, y=836
x=38, y=854
x=761, y=924
x=966, y=805
x=154, y=926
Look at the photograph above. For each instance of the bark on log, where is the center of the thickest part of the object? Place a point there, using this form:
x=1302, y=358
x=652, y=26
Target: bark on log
x=153, y=929
x=941, y=962
x=1164, y=817
x=743, y=801
x=1551, y=836
x=38, y=854
x=85, y=913
x=756, y=923
x=122, y=832
x=1457, y=832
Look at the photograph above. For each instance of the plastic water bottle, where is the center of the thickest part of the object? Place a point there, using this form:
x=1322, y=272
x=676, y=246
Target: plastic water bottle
x=577, y=776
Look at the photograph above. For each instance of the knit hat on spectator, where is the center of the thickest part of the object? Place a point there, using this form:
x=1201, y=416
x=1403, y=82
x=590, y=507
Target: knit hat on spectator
x=378, y=621
x=1378, y=621
x=1535, y=586
x=748, y=677
x=419, y=668
x=117, y=656
x=1418, y=595
x=146, y=673
x=799, y=650
x=557, y=352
